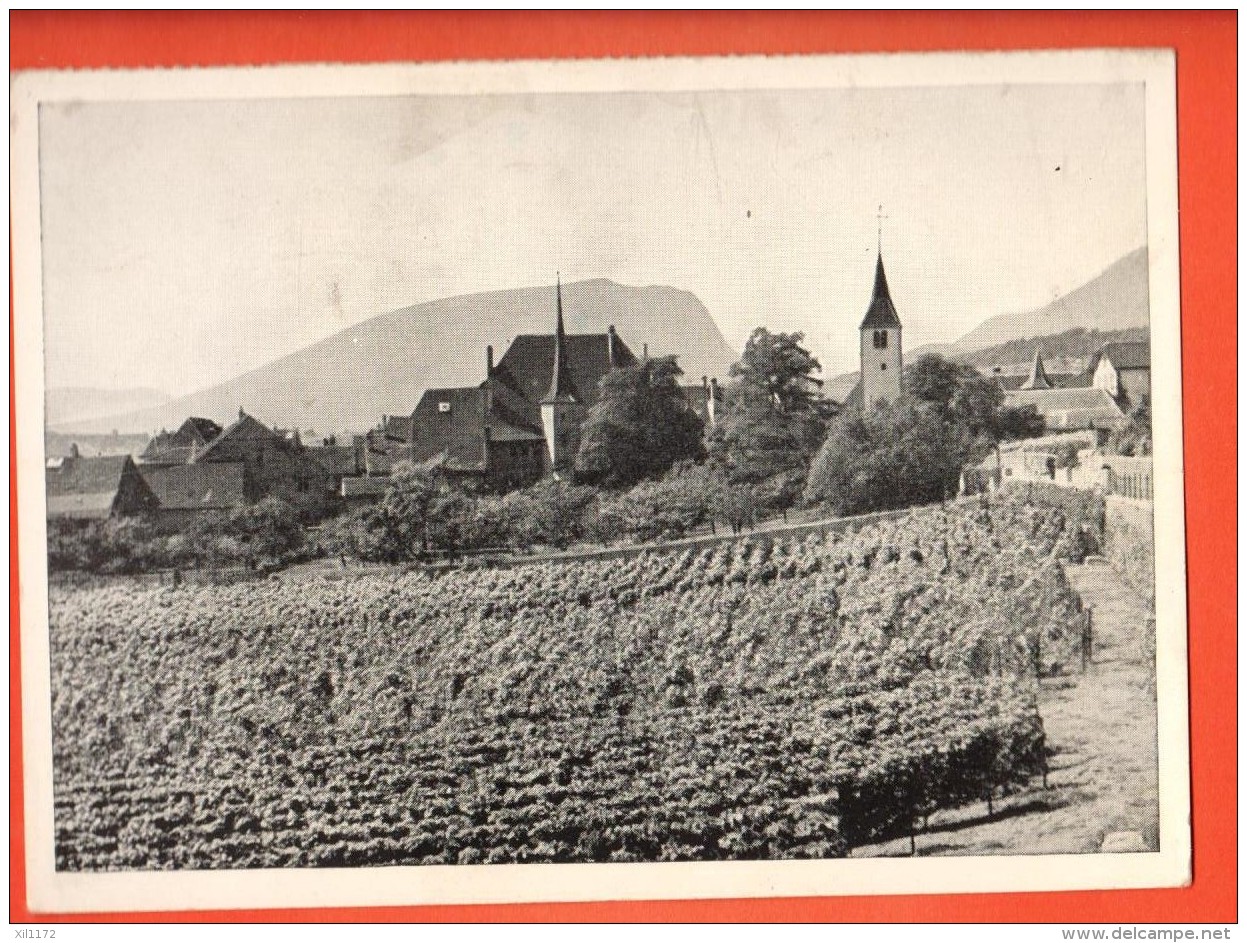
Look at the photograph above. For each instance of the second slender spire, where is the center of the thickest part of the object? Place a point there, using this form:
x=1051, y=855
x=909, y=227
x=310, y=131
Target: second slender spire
x=560, y=383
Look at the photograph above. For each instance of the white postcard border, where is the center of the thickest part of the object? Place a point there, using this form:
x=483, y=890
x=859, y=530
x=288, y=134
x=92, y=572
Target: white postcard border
x=50, y=891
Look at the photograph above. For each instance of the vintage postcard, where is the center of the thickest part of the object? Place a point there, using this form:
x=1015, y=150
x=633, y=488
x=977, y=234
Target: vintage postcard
x=600, y=480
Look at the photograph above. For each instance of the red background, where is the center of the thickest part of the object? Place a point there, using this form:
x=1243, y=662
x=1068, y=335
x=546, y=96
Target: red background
x=1206, y=46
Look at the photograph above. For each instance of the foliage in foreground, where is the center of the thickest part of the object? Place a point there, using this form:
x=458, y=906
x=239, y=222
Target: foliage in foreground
x=269, y=533
x=760, y=698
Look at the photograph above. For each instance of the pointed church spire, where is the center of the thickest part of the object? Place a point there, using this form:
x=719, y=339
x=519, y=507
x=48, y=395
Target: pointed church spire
x=882, y=312
x=560, y=384
x=1038, y=379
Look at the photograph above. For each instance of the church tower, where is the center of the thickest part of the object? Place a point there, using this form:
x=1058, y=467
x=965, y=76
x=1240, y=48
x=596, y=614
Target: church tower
x=880, y=343
x=560, y=408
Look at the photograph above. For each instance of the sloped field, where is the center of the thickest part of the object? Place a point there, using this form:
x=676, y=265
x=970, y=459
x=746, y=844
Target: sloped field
x=758, y=699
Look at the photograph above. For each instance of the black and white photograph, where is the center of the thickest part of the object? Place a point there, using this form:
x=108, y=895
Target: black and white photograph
x=600, y=480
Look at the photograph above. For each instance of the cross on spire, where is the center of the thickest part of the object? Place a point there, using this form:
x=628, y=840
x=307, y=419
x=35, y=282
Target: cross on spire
x=879, y=217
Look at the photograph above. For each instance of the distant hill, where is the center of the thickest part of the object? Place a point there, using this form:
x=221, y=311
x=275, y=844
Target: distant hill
x=1113, y=306
x=1114, y=300
x=382, y=365
x=59, y=443
x=1074, y=344
x=70, y=403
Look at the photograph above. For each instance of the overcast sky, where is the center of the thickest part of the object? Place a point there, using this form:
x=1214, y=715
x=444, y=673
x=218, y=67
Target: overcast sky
x=184, y=243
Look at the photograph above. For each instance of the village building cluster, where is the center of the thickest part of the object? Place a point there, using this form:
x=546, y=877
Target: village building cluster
x=521, y=424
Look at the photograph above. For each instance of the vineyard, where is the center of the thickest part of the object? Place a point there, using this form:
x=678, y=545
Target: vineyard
x=763, y=698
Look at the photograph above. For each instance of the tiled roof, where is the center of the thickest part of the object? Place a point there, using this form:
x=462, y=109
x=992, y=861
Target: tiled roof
x=206, y=486
x=90, y=487
x=528, y=366
x=882, y=312
x=207, y=429
x=186, y=441
x=1069, y=408
x=81, y=505
x=245, y=427
x=79, y=476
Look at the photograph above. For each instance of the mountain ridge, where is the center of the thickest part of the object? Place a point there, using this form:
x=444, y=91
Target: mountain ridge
x=382, y=365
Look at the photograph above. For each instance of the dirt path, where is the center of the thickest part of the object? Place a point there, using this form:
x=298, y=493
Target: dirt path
x=1102, y=729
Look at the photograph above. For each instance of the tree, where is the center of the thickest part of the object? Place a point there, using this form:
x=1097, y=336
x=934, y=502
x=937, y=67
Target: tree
x=553, y=513
x=963, y=395
x=268, y=531
x=781, y=368
x=1019, y=422
x=935, y=380
x=773, y=420
x=665, y=509
x=1135, y=438
x=400, y=520
x=892, y=456
x=640, y=426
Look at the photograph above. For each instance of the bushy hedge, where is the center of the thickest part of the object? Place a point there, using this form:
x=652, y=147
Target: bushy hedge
x=1082, y=514
x=269, y=533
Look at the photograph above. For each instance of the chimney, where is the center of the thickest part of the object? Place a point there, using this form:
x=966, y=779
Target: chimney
x=645, y=351
x=190, y=460
x=610, y=347
x=489, y=361
x=73, y=450
x=712, y=400
x=241, y=414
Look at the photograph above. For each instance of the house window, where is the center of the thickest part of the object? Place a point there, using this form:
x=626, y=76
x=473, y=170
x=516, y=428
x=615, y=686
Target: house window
x=881, y=340
x=443, y=407
x=883, y=366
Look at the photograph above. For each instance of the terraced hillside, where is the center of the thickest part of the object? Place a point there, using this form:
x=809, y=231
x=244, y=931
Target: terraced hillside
x=764, y=698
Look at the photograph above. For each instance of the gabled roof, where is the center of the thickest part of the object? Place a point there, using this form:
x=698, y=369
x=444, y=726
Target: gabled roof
x=81, y=505
x=1070, y=408
x=528, y=366
x=197, y=487
x=882, y=312
x=1086, y=397
x=184, y=443
x=1125, y=355
x=84, y=487
x=206, y=429
x=244, y=428
x=86, y=475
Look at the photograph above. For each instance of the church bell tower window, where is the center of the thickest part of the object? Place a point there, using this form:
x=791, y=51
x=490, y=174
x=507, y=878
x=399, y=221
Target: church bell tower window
x=881, y=340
